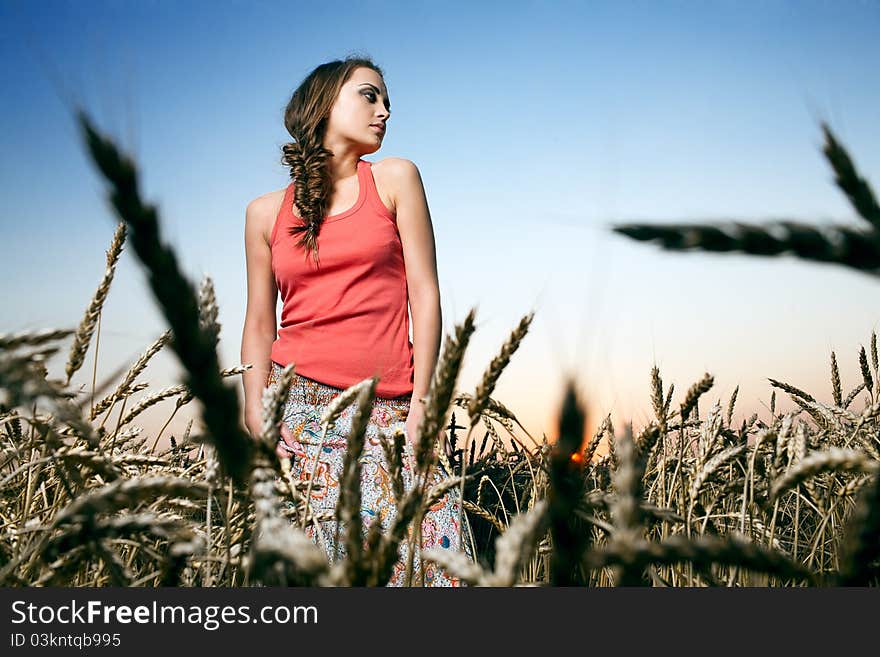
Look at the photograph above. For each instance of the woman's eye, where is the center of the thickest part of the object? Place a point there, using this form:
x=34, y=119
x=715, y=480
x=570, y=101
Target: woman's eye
x=371, y=95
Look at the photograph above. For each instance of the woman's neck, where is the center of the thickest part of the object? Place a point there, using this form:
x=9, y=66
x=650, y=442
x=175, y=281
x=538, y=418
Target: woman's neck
x=343, y=164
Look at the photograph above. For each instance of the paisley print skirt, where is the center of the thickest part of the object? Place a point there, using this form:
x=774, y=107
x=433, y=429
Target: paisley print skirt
x=306, y=403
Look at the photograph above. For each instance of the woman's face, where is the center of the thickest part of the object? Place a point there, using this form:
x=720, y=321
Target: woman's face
x=362, y=103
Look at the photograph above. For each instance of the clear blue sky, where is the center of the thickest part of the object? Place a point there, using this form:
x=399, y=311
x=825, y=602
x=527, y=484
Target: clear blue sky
x=535, y=125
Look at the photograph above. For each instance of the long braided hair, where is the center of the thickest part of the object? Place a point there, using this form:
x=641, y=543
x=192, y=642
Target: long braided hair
x=305, y=118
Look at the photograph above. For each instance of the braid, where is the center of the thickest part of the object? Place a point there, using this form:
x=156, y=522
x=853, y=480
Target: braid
x=307, y=162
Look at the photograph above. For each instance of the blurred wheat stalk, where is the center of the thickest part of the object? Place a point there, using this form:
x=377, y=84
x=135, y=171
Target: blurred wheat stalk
x=843, y=245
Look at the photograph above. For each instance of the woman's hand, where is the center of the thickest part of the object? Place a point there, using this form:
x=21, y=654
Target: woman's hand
x=284, y=448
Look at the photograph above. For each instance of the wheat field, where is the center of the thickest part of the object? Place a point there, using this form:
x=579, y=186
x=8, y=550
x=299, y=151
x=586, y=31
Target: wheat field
x=792, y=499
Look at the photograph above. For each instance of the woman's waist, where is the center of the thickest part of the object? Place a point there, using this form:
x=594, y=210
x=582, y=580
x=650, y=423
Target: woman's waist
x=323, y=386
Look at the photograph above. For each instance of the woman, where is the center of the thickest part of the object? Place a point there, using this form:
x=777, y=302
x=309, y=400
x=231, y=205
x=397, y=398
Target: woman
x=347, y=244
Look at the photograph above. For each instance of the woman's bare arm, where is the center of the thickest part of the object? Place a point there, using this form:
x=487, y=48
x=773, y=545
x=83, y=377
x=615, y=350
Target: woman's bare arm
x=260, y=320
x=419, y=254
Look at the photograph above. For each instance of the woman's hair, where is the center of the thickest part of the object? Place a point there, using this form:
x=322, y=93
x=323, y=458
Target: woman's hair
x=305, y=118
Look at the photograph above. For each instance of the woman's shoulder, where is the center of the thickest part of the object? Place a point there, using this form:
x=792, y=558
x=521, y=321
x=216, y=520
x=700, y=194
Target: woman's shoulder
x=396, y=170
x=265, y=209
x=389, y=174
x=395, y=166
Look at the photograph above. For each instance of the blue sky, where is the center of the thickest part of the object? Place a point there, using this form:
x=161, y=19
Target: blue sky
x=535, y=126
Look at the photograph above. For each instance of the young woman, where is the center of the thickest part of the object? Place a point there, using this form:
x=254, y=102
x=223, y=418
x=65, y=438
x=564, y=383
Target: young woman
x=347, y=244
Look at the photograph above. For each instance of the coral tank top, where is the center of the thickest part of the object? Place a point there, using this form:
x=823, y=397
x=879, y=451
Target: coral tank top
x=346, y=319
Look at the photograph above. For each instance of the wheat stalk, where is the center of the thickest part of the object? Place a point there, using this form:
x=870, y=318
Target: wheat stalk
x=832, y=459
x=86, y=328
x=490, y=377
x=858, y=249
x=10, y=341
x=178, y=302
x=694, y=393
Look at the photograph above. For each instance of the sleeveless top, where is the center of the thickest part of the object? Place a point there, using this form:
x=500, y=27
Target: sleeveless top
x=345, y=319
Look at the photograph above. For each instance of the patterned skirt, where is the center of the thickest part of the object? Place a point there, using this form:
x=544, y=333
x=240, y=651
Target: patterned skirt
x=306, y=403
